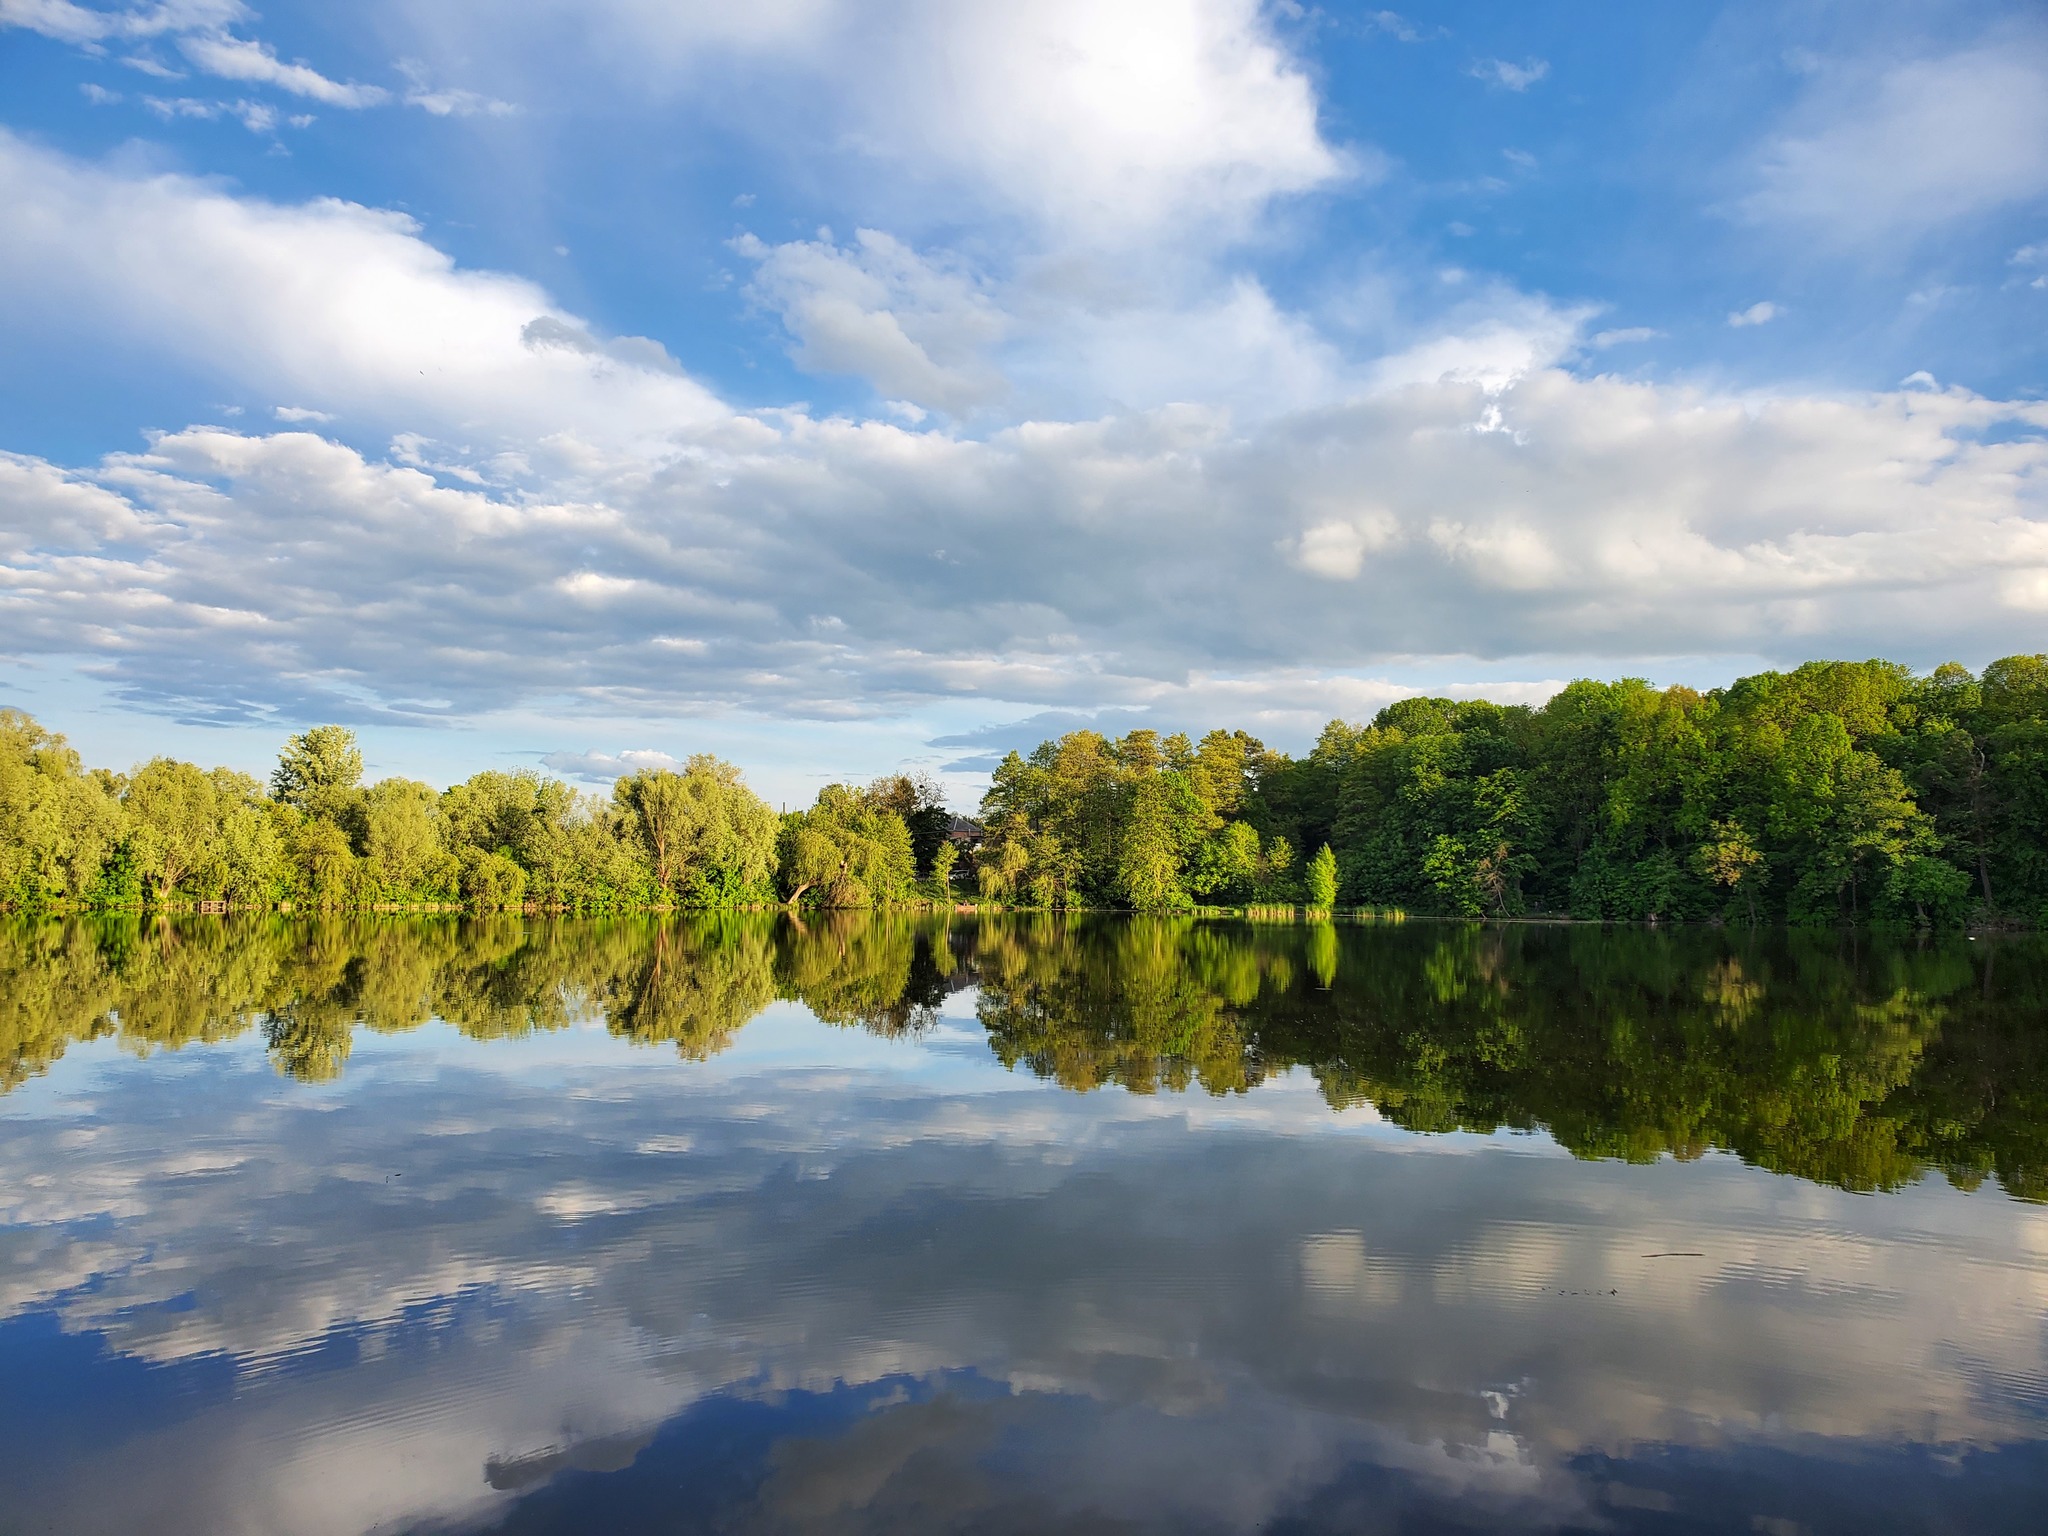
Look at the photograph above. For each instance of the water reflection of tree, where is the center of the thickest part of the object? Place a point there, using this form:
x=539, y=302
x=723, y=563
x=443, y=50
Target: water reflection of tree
x=696, y=981
x=1851, y=1061
x=885, y=971
x=1147, y=1003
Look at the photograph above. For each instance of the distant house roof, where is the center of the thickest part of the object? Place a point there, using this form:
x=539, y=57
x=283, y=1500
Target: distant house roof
x=965, y=829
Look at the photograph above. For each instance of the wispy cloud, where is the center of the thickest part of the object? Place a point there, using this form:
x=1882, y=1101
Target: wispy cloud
x=1762, y=313
x=1393, y=24
x=236, y=59
x=447, y=101
x=1508, y=75
x=1879, y=152
x=1622, y=336
x=71, y=23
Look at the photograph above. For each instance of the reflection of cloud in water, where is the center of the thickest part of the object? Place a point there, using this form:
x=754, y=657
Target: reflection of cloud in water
x=1168, y=1309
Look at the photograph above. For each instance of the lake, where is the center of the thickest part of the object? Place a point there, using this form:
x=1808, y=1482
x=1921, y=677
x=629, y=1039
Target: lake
x=871, y=1223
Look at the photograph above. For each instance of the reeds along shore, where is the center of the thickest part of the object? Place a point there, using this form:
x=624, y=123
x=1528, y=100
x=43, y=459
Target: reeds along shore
x=1840, y=792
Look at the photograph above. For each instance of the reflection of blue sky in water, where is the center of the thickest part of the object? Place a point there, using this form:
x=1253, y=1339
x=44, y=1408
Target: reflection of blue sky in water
x=826, y=1280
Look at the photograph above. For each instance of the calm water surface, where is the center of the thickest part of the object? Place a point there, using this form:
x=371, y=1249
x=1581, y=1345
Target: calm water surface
x=1006, y=1226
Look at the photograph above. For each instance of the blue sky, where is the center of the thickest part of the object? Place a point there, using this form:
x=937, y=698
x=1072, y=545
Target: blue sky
x=839, y=387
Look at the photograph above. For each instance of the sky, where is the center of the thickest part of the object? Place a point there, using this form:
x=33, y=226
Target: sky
x=843, y=388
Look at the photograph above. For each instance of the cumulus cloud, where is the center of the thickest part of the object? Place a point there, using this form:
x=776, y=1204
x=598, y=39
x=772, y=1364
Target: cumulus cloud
x=1491, y=341
x=328, y=304
x=41, y=505
x=1891, y=151
x=1097, y=123
x=1107, y=116
x=566, y=518
x=832, y=569
x=916, y=329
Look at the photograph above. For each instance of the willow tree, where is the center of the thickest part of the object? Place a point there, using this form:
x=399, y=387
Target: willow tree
x=710, y=839
x=845, y=851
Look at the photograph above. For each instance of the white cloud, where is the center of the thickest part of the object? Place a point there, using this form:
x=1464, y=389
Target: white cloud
x=1494, y=340
x=447, y=101
x=327, y=304
x=793, y=569
x=171, y=107
x=301, y=413
x=236, y=59
x=1761, y=313
x=1887, y=152
x=1622, y=336
x=71, y=23
x=200, y=27
x=1098, y=123
x=915, y=329
x=1227, y=347
x=2033, y=256
x=1399, y=27
x=1337, y=548
x=567, y=521
x=41, y=505
x=1508, y=75
x=603, y=767
x=1113, y=113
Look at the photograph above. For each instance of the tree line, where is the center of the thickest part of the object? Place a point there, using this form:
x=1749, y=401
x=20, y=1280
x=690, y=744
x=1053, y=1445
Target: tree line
x=1836, y=792
x=1852, y=1060
x=170, y=834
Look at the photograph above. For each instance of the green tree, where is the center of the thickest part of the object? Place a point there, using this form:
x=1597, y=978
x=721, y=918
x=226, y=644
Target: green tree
x=174, y=810
x=1842, y=816
x=1162, y=829
x=403, y=844
x=1731, y=859
x=845, y=851
x=921, y=802
x=319, y=772
x=710, y=839
x=59, y=826
x=1321, y=879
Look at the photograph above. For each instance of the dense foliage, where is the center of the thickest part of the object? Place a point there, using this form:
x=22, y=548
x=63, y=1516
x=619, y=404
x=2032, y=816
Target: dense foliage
x=1842, y=791
x=171, y=835
x=1851, y=1060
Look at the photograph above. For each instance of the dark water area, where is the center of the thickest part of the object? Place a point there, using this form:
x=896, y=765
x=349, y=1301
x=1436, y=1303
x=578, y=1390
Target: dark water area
x=870, y=1224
